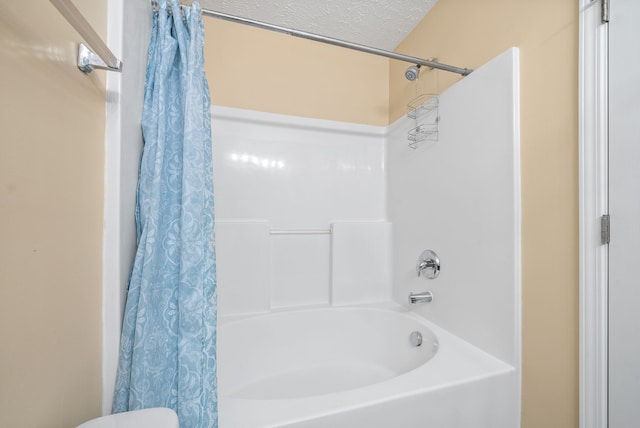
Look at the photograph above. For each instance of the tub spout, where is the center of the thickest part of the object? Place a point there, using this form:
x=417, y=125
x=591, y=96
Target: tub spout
x=424, y=297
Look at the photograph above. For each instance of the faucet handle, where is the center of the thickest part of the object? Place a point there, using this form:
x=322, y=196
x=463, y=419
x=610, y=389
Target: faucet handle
x=428, y=264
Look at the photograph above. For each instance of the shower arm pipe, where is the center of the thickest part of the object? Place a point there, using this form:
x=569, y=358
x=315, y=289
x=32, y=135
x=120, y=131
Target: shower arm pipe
x=336, y=42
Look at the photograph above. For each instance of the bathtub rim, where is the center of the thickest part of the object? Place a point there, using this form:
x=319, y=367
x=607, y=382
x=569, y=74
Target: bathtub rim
x=456, y=363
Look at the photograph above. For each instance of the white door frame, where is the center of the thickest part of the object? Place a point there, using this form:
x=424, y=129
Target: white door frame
x=593, y=177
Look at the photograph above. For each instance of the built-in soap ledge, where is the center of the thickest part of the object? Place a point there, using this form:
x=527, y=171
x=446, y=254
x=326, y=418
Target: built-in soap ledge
x=259, y=271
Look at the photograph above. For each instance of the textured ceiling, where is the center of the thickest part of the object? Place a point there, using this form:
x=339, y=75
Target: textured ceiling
x=378, y=23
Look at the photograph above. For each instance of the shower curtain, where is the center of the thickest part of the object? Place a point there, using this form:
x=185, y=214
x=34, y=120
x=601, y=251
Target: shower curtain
x=168, y=344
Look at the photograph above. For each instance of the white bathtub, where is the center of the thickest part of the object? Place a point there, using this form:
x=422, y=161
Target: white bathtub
x=356, y=367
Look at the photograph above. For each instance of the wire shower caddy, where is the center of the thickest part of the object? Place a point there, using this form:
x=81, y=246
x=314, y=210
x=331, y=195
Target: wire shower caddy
x=423, y=109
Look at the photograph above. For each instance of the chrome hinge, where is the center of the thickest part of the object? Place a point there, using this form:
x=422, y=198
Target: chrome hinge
x=605, y=11
x=605, y=229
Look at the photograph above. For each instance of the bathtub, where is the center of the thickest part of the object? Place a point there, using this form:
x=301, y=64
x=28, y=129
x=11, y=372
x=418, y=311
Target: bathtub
x=357, y=367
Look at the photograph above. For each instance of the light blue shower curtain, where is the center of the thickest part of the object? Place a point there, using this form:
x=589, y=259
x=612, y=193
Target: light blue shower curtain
x=168, y=345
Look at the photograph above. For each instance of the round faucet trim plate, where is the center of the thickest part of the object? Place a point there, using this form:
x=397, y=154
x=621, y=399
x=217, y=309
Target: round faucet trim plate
x=428, y=264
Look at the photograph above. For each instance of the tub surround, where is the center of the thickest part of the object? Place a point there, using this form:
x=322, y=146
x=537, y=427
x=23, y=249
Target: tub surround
x=358, y=207
x=458, y=196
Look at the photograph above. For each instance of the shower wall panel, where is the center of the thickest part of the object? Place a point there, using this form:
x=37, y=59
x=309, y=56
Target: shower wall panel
x=460, y=197
x=297, y=175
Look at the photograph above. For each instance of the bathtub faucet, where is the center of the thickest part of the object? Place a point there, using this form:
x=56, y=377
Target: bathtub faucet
x=424, y=297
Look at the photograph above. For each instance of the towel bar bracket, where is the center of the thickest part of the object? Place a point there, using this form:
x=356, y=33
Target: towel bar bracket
x=88, y=61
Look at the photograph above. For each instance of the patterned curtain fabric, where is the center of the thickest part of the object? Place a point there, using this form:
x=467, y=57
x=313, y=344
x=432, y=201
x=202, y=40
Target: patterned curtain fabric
x=168, y=345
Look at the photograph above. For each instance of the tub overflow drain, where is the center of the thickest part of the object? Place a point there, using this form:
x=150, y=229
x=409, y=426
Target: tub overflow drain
x=415, y=338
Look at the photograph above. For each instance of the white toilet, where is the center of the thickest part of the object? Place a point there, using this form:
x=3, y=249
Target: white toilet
x=159, y=417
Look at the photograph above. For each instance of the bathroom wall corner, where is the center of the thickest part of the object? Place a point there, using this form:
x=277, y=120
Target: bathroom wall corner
x=128, y=35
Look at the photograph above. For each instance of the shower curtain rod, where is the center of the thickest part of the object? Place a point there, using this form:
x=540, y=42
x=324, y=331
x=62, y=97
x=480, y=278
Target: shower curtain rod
x=336, y=42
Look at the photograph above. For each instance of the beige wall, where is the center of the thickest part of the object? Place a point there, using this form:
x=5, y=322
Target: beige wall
x=51, y=191
x=51, y=164
x=467, y=34
x=266, y=71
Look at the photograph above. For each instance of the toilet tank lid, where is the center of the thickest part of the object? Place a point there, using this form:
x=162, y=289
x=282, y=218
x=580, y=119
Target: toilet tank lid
x=159, y=417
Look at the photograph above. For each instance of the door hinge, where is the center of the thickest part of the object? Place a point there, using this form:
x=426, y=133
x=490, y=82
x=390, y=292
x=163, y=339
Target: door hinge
x=605, y=11
x=605, y=229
